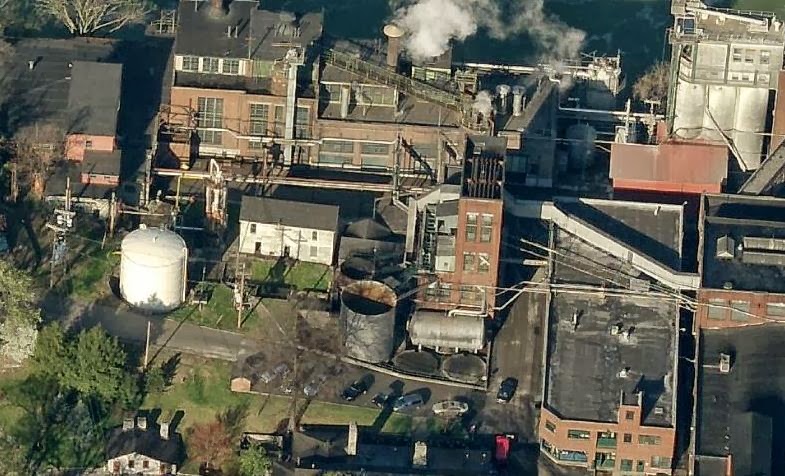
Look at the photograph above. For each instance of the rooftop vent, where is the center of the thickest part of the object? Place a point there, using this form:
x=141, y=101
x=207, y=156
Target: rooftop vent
x=576, y=316
x=616, y=329
x=726, y=247
x=659, y=411
x=624, y=373
x=724, y=363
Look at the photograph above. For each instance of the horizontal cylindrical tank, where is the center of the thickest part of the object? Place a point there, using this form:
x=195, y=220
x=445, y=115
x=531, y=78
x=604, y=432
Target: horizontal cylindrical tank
x=689, y=110
x=436, y=330
x=153, y=264
x=368, y=320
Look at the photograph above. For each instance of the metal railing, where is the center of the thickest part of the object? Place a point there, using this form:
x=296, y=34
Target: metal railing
x=418, y=89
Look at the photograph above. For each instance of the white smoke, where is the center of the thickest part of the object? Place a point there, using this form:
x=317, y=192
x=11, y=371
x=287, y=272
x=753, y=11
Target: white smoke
x=483, y=103
x=432, y=24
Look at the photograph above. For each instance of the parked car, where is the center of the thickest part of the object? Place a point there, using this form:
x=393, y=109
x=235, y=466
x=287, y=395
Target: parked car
x=313, y=386
x=380, y=400
x=408, y=402
x=502, y=449
x=450, y=408
x=507, y=390
x=279, y=371
x=357, y=388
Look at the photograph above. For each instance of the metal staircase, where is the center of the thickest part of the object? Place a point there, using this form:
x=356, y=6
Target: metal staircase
x=428, y=250
x=379, y=74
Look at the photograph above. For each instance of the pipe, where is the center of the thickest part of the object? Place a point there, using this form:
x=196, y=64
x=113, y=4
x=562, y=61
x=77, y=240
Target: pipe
x=346, y=94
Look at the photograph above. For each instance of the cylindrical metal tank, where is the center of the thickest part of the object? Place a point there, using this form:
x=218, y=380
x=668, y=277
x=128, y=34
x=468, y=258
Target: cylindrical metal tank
x=368, y=320
x=722, y=104
x=750, y=119
x=436, y=330
x=153, y=266
x=688, y=120
x=468, y=368
x=581, y=138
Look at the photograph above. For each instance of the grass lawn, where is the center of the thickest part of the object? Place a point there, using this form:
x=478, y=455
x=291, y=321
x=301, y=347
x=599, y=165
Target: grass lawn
x=9, y=414
x=87, y=278
x=219, y=312
x=301, y=275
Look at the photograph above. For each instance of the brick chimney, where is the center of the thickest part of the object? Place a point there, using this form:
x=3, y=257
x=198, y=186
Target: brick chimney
x=164, y=430
x=128, y=423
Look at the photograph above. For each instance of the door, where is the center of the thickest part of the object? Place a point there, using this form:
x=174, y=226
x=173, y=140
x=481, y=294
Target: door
x=286, y=251
x=257, y=249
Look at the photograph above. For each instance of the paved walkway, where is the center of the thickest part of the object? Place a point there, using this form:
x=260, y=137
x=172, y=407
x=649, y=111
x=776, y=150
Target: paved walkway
x=118, y=320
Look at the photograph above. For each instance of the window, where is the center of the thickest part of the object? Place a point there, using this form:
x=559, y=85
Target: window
x=740, y=311
x=258, y=118
x=764, y=56
x=471, y=227
x=314, y=251
x=131, y=463
x=468, y=262
x=230, y=66
x=88, y=144
x=145, y=464
x=255, y=145
x=371, y=148
x=640, y=467
x=484, y=262
x=660, y=462
x=190, y=63
x=338, y=146
x=649, y=440
x=628, y=438
x=717, y=309
x=775, y=309
x=487, y=228
x=279, y=123
x=763, y=78
x=578, y=434
x=629, y=415
x=550, y=426
x=253, y=228
x=302, y=123
x=737, y=55
x=209, y=65
x=210, y=116
x=314, y=235
x=625, y=465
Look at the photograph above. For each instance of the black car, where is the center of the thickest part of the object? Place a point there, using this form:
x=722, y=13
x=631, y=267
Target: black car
x=357, y=388
x=506, y=390
x=380, y=400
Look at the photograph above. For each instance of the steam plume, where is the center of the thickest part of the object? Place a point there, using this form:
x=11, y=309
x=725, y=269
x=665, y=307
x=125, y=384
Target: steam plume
x=432, y=24
x=483, y=103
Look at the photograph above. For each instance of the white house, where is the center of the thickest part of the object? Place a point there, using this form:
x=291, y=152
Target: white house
x=135, y=449
x=299, y=230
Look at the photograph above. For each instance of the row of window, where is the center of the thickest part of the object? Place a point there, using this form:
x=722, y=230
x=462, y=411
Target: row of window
x=749, y=56
x=196, y=64
x=627, y=438
x=718, y=310
x=442, y=292
x=485, y=224
x=252, y=231
x=480, y=262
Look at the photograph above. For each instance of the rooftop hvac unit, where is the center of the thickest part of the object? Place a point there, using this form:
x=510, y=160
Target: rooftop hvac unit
x=724, y=363
x=726, y=247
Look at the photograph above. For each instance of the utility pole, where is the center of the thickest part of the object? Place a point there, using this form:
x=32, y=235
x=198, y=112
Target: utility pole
x=147, y=346
x=14, y=192
x=64, y=221
x=239, y=296
x=112, y=213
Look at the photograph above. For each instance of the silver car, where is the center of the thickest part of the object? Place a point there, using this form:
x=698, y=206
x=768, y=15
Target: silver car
x=279, y=371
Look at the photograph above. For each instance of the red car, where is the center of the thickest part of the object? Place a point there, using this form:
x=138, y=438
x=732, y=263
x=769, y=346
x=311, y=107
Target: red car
x=502, y=453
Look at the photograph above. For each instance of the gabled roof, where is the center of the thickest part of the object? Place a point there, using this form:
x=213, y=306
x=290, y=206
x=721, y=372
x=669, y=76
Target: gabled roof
x=146, y=442
x=369, y=229
x=669, y=167
x=296, y=214
x=94, y=98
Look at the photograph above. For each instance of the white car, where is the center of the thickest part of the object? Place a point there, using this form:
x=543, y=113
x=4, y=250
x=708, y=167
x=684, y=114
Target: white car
x=450, y=408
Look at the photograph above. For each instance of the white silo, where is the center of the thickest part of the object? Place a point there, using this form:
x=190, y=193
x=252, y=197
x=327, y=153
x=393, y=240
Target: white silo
x=153, y=268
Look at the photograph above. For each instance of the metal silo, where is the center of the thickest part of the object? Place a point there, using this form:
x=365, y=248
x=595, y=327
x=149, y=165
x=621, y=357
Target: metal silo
x=437, y=330
x=750, y=120
x=153, y=266
x=688, y=120
x=368, y=320
x=722, y=104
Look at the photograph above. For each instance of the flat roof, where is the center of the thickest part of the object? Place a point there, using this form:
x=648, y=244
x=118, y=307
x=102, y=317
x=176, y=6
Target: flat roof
x=755, y=385
x=754, y=265
x=102, y=163
x=94, y=97
x=583, y=365
x=653, y=229
x=56, y=184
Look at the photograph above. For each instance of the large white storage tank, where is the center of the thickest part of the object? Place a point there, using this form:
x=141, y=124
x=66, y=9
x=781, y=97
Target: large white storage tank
x=690, y=103
x=722, y=104
x=153, y=265
x=749, y=122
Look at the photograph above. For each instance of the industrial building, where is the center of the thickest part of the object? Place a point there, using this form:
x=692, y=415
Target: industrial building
x=725, y=66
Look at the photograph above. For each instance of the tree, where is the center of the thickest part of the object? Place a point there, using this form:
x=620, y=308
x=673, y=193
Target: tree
x=155, y=380
x=97, y=366
x=37, y=148
x=19, y=313
x=653, y=85
x=51, y=354
x=254, y=462
x=87, y=17
x=210, y=443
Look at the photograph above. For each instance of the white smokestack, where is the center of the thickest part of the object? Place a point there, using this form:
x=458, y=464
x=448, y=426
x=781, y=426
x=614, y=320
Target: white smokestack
x=432, y=24
x=503, y=91
x=517, y=100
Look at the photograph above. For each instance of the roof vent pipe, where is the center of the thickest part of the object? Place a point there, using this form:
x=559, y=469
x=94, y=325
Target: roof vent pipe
x=518, y=101
x=393, y=34
x=346, y=93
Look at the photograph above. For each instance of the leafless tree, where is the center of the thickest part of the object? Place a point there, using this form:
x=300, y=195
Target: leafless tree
x=653, y=85
x=86, y=17
x=38, y=146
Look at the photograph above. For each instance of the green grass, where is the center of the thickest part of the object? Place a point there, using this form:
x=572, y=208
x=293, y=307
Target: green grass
x=88, y=277
x=301, y=275
x=9, y=414
x=218, y=313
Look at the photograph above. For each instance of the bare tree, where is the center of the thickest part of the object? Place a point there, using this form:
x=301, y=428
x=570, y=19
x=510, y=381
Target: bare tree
x=653, y=85
x=38, y=146
x=86, y=17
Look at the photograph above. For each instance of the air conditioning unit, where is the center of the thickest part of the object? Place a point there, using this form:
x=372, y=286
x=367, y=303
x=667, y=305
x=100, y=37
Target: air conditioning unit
x=724, y=363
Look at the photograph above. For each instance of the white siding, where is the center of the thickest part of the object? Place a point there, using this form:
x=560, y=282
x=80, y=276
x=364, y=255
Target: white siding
x=153, y=466
x=273, y=241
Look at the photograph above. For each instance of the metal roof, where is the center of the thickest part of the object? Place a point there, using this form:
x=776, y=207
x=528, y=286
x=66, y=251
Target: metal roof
x=669, y=167
x=297, y=214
